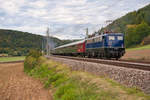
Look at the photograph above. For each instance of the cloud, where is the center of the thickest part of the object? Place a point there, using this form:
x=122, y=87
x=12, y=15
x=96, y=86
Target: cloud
x=67, y=19
x=39, y=4
x=11, y=6
x=36, y=13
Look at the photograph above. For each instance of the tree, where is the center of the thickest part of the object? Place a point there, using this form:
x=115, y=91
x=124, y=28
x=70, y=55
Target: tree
x=135, y=35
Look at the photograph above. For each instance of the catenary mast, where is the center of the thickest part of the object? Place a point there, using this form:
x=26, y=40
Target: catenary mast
x=47, y=42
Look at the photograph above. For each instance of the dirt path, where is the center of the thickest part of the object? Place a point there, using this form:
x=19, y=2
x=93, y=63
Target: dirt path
x=16, y=85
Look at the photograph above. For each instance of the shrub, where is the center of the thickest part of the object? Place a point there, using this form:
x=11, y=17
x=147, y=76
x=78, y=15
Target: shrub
x=33, y=60
x=41, y=60
x=55, y=79
x=34, y=53
x=29, y=63
x=62, y=92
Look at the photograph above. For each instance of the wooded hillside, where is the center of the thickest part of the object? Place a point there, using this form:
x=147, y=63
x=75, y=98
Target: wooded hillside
x=19, y=43
x=135, y=25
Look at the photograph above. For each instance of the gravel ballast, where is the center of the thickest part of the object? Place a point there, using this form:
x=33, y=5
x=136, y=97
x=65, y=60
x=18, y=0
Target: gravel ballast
x=126, y=76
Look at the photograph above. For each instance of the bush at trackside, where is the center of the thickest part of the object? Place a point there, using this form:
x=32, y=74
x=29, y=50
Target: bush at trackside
x=32, y=60
x=29, y=63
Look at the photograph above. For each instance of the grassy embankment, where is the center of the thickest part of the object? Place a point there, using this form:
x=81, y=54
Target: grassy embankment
x=141, y=53
x=139, y=48
x=8, y=59
x=75, y=85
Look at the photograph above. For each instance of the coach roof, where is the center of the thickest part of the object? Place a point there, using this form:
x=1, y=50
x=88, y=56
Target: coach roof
x=70, y=44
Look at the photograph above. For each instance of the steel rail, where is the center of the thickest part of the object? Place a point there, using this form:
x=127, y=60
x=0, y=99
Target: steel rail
x=135, y=65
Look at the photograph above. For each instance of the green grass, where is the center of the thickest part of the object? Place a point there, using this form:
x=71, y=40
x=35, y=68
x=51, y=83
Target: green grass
x=140, y=47
x=68, y=85
x=7, y=59
x=129, y=91
x=75, y=85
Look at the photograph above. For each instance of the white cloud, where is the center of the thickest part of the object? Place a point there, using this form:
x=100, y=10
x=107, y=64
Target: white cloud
x=74, y=2
x=68, y=18
x=61, y=14
x=38, y=4
x=37, y=13
x=11, y=6
x=2, y=18
x=87, y=13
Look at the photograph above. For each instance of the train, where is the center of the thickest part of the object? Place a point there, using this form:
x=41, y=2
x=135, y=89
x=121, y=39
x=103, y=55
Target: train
x=105, y=46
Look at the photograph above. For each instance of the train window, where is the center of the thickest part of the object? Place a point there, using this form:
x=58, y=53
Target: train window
x=95, y=40
x=100, y=38
x=120, y=37
x=111, y=38
x=89, y=41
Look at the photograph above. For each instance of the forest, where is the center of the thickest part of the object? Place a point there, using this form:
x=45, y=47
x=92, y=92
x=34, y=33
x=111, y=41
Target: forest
x=17, y=43
x=135, y=25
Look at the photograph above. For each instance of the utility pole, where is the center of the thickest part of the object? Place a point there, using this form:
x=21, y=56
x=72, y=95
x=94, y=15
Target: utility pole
x=108, y=22
x=47, y=42
x=43, y=44
x=87, y=33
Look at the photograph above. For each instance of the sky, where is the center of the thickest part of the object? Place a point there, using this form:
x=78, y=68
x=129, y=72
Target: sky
x=67, y=19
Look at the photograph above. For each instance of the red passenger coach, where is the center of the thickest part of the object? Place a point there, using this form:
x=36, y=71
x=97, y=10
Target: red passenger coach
x=81, y=47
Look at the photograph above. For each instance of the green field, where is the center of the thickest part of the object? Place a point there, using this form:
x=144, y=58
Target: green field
x=7, y=59
x=140, y=47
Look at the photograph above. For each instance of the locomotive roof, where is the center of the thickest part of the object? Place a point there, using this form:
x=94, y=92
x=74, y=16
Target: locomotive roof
x=104, y=35
x=70, y=44
x=114, y=34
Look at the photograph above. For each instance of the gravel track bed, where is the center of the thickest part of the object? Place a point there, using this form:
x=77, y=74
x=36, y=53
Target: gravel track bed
x=128, y=76
x=130, y=64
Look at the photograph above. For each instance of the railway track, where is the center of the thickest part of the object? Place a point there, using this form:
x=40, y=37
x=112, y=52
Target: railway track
x=127, y=64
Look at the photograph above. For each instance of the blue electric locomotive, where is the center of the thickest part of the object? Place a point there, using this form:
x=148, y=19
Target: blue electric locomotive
x=110, y=45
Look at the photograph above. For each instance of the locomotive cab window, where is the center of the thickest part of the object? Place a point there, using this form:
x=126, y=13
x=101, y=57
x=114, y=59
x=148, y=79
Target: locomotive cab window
x=120, y=37
x=111, y=38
